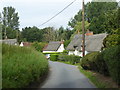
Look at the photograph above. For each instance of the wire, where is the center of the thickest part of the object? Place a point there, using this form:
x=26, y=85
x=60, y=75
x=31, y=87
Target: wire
x=57, y=13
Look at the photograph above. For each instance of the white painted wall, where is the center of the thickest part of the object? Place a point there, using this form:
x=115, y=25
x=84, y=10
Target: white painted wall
x=61, y=48
x=48, y=51
x=21, y=44
x=77, y=53
x=71, y=53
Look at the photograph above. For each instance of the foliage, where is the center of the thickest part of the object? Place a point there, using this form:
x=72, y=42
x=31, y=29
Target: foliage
x=94, y=61
x=97, y=14
x=38, y=45
x=32, y=34
x=66, y=43
x=89, y=61
x=112, y=59
x=47, y=34
x=69, y=58
x=112, y=40
x=10, y=17
x=21, y=65
x=54, y=57
x=78, y=26
x=65, y=52
x=10, y=23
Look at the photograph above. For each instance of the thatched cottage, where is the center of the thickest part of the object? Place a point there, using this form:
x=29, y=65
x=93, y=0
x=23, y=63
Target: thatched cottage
x=92, y=43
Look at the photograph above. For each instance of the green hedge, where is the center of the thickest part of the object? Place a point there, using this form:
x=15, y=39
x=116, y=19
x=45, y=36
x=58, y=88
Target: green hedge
x=54, y=57
x=21, y=66
x=89, y=61
x=94, y=61
x=107, y=62
x=69, y=58
x=112, y=59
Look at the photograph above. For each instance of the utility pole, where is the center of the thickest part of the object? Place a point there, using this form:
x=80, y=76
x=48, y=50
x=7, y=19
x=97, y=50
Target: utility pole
x=83, y=30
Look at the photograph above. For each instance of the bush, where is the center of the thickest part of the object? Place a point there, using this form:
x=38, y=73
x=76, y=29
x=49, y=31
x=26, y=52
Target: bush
x=54, y=57
x=94, y=61
x=69, y=58
x=112, y=59
x=21, y=65
x=38, y=46
x=89, y=61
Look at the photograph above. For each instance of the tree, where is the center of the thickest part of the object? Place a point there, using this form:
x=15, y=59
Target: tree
x=78, y=26
x=10, y=23
x=95, y=15
x=32, y=34
x=10, y=18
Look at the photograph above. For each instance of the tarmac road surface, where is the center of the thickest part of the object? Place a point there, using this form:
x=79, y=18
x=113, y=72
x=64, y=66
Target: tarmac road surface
x=65, y=76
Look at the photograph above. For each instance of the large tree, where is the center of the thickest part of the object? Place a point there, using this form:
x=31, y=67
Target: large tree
x=10, y=18
x=31, y=34
x=95, y=15
x=10, y=23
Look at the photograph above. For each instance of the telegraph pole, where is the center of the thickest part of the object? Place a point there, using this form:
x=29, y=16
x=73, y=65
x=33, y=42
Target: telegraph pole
x=83, y=30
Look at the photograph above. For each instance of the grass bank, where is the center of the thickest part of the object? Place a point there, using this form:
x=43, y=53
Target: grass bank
x=99, y=80
x=21, y=66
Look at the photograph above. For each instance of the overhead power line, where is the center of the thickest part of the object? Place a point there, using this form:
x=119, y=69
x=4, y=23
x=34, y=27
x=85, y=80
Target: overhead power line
x=57, y=13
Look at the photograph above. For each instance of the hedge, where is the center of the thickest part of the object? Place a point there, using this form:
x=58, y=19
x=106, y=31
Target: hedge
x=54, y=57
x=107, y=62
x=21, y=66
x=94, y=61
x=112, y=59
x=69, y=58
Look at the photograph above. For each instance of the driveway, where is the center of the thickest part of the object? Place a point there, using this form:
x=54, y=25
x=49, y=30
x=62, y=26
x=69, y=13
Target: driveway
x=65, y=76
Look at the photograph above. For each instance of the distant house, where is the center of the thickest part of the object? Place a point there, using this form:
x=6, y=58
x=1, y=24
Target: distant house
x=53, y=47
x=92, y=43
x=26, y=44
x=9, y=41
x=57, y=46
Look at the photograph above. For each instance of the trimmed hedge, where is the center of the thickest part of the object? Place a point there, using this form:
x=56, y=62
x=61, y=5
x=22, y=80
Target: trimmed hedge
x=21, y=66
x=54, y=57
x=112, y=59
x=69, y=58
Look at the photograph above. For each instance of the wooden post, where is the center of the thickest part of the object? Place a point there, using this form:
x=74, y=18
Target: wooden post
x=83, y=30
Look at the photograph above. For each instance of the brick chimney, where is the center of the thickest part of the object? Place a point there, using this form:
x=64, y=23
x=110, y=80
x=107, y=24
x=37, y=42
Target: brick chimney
x=88, y=33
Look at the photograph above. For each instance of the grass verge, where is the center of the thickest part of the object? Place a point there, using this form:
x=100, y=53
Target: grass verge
x=99, y=80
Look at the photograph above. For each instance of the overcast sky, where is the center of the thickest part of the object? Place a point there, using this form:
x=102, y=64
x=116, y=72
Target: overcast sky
x=36, y=12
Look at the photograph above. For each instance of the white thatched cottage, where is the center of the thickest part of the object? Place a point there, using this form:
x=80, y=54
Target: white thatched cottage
x=57, y=46
x=53, y=47
x=92, y=43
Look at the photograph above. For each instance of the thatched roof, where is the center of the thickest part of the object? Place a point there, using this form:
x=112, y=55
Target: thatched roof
x=92, y=42
x=52, y=46
x=9, y=41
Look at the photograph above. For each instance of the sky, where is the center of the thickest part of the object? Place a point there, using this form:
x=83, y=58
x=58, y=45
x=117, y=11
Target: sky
x=36, y=12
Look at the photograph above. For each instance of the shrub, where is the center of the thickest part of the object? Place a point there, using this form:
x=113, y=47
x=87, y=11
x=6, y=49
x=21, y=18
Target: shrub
x=112, y=59
x=38, y=46
x=101, y=64
x=94, y=61
x=21, y=65
x=69, y=58
x=89, y=61
x=54, y=57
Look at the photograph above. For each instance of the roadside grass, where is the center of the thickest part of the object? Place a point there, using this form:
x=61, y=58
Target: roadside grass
x=21, y=66
x=99, y=80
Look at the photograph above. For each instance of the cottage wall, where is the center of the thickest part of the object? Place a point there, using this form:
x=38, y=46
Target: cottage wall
x=61, y=48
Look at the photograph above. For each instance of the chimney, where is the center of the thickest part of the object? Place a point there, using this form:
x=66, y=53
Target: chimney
x=89, y=33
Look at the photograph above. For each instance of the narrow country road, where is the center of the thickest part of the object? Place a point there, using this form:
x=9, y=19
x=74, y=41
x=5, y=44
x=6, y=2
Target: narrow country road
x=65, y=76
